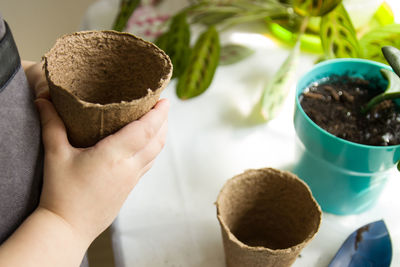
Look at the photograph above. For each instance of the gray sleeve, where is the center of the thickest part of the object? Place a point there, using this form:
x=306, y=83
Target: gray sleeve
x=21, y=154
x=2, y=27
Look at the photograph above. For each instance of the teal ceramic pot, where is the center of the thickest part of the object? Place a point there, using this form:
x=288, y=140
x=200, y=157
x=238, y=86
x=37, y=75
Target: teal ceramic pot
x=345, y=177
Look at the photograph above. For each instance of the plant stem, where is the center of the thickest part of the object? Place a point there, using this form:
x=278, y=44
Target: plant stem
x=379, y=98
x=392, y=90
x=303, y=27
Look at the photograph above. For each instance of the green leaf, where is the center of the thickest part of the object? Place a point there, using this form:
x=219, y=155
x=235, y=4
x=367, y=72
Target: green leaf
x=233, y=53
x=338, y=36
x=372, y=42
x=211, y=18
x=279, y=86
x=162, y=41
x=229, y=13
x=383, y=16
x=314, y=8
x=176, y=43
x=394, y=82
x=392, y=91
x=126, y=9
x=392, y=56
x=203, y=62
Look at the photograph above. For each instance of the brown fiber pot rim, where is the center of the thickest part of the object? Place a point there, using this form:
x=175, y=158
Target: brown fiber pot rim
x=164, y=79
x=235, y=240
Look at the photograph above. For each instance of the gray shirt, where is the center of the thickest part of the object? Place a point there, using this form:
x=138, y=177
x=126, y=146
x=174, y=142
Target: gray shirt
x=21, y=154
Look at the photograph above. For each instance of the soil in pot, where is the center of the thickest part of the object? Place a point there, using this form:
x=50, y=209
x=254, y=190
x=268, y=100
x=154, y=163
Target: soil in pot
x=335, y=105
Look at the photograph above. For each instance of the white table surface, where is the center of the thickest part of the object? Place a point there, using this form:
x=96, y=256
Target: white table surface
x=170, y=218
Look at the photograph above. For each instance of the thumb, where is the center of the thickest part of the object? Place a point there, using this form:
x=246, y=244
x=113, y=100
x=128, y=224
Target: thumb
x=54, y=134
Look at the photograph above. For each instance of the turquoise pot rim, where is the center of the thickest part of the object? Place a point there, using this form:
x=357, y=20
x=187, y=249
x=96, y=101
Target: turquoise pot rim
x=299, y=90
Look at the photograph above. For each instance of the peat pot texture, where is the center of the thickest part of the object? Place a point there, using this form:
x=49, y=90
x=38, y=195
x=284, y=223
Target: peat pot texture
x=267, y=216
x=101, y=80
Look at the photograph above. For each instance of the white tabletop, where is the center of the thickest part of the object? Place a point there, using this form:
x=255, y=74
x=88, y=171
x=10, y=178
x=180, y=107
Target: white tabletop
x=170, y=218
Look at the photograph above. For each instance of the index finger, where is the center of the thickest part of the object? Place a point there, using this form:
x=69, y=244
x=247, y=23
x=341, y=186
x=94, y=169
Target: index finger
x=137, y=134
x=36, y=78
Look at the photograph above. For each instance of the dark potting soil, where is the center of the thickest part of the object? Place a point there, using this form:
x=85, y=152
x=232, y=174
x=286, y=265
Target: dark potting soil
x=335, y=105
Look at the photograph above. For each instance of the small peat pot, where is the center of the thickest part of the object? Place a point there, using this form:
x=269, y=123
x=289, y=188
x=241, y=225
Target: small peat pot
x=346, y=177
x=101, y=80
x=267, y=217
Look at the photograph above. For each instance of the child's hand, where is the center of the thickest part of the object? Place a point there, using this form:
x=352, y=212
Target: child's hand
x=87, y=187
x=83, y=189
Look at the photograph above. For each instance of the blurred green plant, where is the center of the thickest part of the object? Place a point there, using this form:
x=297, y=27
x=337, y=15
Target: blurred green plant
x=225, y=14
x=126, y=9
x=325, y=22
x=201, y=67
x=196, y=75
x=372, y=41
x=338, y=36
x=314, y=8
x=233, y=53
x=176, y=43
x=277, y=89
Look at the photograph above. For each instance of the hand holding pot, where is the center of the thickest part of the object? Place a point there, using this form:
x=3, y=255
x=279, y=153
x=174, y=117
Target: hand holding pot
x=83, y=188
x=87, y=187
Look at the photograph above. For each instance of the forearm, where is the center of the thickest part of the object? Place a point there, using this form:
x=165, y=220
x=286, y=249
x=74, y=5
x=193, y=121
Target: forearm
x=44, y=239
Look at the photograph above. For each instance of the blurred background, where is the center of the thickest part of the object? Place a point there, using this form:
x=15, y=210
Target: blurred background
x=37, y=24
